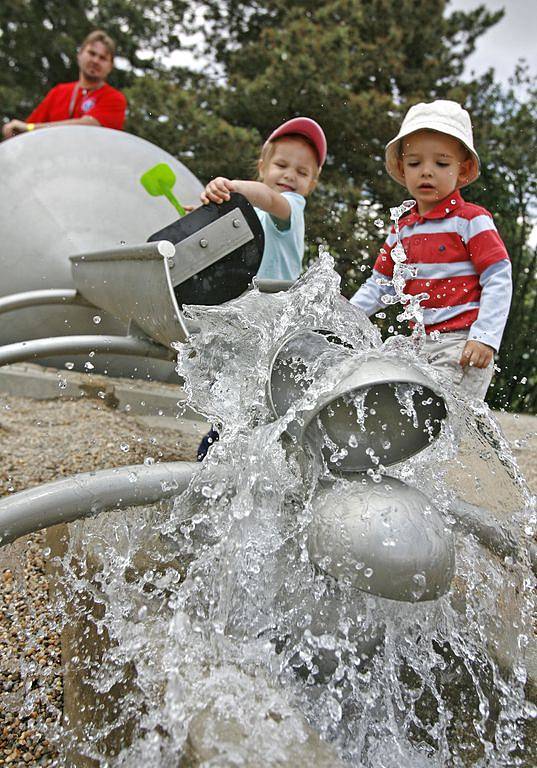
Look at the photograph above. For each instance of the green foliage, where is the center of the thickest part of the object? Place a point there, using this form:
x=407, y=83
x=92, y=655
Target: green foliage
x=173, y=112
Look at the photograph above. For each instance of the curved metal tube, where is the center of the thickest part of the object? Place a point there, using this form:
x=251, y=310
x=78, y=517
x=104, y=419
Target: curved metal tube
x=489, y=531
x=89, y=493
x=80, y=345
x=39, y=298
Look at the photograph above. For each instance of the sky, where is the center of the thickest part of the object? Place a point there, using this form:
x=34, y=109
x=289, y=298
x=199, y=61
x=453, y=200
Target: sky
x=513, y=37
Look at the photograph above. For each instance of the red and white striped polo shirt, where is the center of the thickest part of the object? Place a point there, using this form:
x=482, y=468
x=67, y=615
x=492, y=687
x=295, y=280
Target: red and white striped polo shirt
x=451, y=246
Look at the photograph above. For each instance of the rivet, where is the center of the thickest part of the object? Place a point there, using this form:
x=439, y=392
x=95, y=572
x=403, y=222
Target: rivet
x=204, y=243
x=236, y=223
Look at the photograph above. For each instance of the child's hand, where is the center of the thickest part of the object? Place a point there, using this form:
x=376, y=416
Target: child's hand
x=217, y=191
x=477, y=354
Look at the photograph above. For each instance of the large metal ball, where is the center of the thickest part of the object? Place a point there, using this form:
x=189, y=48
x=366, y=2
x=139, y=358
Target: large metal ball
x=384, y=538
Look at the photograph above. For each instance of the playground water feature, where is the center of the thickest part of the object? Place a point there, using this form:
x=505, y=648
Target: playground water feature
x=220, y=642
x=217, y=622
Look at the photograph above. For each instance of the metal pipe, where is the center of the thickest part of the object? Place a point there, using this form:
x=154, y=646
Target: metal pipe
x=90, y=493
x=265, y=285
x=79, y=345
x=40, y=298
x=489, y=531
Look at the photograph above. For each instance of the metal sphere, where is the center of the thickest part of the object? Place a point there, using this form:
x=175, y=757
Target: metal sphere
x=384, y=538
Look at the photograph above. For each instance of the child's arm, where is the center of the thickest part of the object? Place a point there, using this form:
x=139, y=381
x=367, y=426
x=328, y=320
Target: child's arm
x=487, y=330
x=369, y=295
x=218, y=190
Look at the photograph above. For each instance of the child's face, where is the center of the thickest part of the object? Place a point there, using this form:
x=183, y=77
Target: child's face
x=433, y=165
x=292, y=167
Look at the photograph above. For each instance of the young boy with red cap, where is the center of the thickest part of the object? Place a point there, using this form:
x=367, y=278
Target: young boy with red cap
x=457, y=255
x=288, y=168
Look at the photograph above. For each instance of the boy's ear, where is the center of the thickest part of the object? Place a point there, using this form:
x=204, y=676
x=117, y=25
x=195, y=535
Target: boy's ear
x=465, y=169
x=401, y=167
x=260, y=166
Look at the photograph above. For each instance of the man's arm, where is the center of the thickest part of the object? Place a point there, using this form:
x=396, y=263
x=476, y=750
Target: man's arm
x=15, y=127
x=218, y=190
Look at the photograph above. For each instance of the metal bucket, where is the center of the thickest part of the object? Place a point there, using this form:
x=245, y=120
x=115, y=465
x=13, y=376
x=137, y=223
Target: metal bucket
x=358, y=409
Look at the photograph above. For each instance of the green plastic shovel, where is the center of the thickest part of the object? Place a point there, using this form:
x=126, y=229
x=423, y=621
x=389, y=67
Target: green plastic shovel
x=160, y=180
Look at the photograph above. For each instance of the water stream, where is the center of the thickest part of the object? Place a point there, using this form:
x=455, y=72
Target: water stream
x=222, y=644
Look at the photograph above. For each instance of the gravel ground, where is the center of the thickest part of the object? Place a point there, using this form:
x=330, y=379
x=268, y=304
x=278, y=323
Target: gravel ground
x=41, y=441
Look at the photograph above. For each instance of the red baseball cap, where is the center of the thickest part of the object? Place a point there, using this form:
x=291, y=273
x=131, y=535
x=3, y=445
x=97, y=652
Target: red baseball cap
x=304, y=126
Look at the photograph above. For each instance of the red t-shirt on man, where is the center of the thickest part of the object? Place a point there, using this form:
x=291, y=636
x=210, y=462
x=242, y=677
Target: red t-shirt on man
x=106, y=104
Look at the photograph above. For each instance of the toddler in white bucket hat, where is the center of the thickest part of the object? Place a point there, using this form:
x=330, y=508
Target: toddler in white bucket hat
x=459, y=259
x=444, y=117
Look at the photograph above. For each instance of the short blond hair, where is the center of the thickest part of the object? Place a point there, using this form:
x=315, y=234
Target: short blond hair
x=98, y=36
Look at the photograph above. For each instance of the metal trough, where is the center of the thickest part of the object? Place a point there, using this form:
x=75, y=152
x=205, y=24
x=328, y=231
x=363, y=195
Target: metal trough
x=69, y=190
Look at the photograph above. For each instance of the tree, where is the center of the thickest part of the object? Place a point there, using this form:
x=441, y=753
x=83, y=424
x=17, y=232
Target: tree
x=353, y=65
x=174, y=111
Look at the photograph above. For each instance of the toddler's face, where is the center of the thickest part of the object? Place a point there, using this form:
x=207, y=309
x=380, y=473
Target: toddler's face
x=433, y=165
x=292, y=167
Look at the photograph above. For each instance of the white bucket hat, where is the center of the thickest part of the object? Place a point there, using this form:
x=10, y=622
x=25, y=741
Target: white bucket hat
x=443, y=116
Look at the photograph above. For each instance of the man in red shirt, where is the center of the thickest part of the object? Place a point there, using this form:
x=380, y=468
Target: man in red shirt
x=88, y=101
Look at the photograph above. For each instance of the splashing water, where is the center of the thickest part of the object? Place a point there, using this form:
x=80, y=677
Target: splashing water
x=221, y=644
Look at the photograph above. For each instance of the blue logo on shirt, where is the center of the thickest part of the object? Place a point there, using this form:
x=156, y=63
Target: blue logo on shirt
x=87, y=104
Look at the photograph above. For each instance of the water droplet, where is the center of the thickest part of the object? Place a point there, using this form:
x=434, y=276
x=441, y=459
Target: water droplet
x=69, y=366
x=149, y=461
x=368, y=572
x=420, y=584
x=124, y=447
x=97, y=319
x=88, y=366
x=378, y=223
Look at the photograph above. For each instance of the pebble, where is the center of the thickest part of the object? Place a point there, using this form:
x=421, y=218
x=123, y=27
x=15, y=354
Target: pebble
x=40, y=441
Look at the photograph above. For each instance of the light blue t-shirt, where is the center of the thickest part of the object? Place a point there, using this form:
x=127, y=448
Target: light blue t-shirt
x=284, y=248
